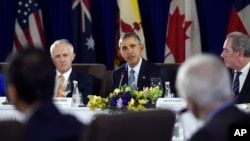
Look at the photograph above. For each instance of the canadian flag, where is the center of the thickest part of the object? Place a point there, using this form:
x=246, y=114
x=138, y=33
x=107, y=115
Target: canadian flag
x=183, y=32
x=239, y=17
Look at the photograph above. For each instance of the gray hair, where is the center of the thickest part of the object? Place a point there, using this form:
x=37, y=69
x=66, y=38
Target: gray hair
x=240, y=41
x=204, y=79
x=62, y=41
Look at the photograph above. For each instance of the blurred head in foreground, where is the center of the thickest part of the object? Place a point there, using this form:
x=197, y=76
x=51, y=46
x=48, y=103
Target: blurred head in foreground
x=29, y=78
x=204, y=82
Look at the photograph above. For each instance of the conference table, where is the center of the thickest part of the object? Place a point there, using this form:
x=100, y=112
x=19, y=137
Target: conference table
x=85, y=115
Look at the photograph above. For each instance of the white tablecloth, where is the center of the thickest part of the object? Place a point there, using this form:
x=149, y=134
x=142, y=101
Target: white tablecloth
x=85, y=115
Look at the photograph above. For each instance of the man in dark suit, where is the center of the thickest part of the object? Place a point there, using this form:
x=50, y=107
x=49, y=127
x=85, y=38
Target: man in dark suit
x=62, y=53
x=236, y=56
x=131, y=49
x=30, y=86
x=204, y=82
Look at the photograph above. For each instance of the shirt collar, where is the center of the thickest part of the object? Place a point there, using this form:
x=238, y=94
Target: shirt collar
x=245, y=69
x=136, y=68
x=66, y=74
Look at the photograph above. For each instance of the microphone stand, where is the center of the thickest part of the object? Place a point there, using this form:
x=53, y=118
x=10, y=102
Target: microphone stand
x=122, y=76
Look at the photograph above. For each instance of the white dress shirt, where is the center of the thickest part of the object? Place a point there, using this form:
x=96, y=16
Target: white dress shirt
x=57, y=79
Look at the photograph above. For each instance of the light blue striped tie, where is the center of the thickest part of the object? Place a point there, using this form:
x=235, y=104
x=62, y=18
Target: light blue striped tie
x=131, y=79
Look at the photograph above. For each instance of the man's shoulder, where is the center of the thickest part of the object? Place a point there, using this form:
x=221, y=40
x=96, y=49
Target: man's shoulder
x=50, y=110
x=79, y=73
x=48, y=118
x=80, y=76
x=150, y=63
x=120, y=68
x=151, y=66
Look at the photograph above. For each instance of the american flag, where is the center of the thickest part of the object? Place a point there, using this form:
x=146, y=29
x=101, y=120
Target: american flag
x=28, y=25
x=83, y=40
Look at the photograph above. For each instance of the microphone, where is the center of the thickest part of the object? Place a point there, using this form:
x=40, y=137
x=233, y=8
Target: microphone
x=181, y=111
x=184, y=110
x=122, y=76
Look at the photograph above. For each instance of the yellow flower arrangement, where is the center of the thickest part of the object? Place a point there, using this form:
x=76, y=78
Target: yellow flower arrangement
x=126, y=98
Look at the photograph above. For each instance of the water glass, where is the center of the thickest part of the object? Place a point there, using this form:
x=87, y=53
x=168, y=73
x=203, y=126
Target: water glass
x=76, y=99
x=81, y=100
x=178, y=131
x=67, y=88
x=155, y=81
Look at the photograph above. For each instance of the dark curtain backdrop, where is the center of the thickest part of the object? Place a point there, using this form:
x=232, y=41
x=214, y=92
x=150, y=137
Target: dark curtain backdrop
x=213, y=17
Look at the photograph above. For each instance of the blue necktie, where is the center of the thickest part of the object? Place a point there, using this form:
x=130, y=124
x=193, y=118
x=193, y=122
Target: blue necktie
x=236, y=83
x=131, y=79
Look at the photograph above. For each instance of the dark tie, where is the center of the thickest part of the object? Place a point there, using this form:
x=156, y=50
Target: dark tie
x=236, y=83
x=131, y=79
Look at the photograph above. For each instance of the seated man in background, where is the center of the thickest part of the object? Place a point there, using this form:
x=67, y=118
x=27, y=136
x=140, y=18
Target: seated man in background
x=137, y=68
x=62, y=53
x=204, y=82
x=2, y=85
x=236, y=56
x=30, y=86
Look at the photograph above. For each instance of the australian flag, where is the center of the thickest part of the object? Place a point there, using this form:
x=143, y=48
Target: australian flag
x=83, y=41
x=239, y=17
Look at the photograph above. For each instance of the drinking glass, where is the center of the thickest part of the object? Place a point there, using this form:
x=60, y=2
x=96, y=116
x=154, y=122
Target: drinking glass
x=67, y=89
x=155, y=81
x=178, y=131
x=81, y=100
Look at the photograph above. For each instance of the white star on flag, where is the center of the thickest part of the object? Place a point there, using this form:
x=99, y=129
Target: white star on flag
x=90, y=43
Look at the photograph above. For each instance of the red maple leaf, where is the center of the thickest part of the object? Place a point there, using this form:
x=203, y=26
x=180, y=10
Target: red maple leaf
x=177, y=35
x=128, y=28
x=136, y=26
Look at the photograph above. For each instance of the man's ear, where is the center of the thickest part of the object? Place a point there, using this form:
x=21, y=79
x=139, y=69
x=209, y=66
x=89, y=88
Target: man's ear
x=52, y=59
x=120, y=53
x=241, y=52
x=142, y=47
x=193, y=108
x=12, y=93
x=190, y=104
x=73, y=56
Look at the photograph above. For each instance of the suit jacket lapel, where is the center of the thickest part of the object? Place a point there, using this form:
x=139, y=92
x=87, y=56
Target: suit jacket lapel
x=125, y=72
x=246, y=84
x=72, y=76
x=142, y=77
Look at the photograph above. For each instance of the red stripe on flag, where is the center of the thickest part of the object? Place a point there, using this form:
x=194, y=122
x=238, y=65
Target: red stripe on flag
x=235, y=23
x=17, y=43
x=73, y=1
x=28, y=37
x=86, y=2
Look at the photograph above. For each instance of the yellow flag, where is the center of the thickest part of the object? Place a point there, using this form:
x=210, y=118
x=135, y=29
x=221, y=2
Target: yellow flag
x=130, y=21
